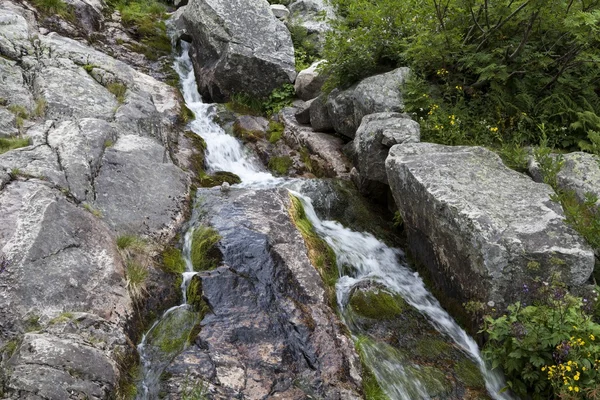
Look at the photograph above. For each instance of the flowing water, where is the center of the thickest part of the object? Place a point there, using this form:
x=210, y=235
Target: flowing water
x=371, y=260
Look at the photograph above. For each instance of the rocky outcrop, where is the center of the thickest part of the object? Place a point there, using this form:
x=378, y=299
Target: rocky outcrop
x=312, y=15
x=374, y=137
x=480, y=228
x=319, y=116
x=96, y=163
x=580, y=172
x=269, y=332
x=378, y=93
x=238, y=46
x=309, y=82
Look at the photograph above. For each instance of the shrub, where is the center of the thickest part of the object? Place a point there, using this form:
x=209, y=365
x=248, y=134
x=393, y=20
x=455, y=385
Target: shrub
x=500, y=68
x=547, y=349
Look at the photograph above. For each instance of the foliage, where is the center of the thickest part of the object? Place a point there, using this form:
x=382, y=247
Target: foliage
x=484, y=72
x=19, y=111
x=54, y=7
x=547, y=349
x=118, y=90
x=91, y=209
x=275, y=131
x=12, y=143
x=279, y=98
x=173, y=261
x=137, y=275
x=146, y=20
x=280, y=165
x=306, y=49
x=205, y=253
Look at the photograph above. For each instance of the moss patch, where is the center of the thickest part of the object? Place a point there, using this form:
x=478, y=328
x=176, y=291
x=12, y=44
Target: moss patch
x=173, y=261
x=280, y=165
x=432, y=348
x=205, y=253
x=218, y=178
x=468, y=372
x=246, y=135
x=275, y=131
x=377, y=304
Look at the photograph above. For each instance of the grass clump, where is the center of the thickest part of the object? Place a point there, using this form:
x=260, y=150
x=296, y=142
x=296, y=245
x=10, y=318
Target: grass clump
x=118, y=90
x=377, y=304
x=128, y=364
x=280, y=165
x=275, y=131
x=137, y=275
x=319, y=252
x=7, y=144
x=40, y=107
x=61, y=318
x=91, y=209
x=129, y=241
x=173, y=261
x=18, y=111
x=205, y=254
x=54, y=7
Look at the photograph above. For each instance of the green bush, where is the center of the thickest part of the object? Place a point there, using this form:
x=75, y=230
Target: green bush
x=548, y=349
x=500, y=68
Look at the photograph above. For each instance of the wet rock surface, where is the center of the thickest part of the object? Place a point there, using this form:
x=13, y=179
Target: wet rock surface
x=238, y=45
x=480, y=228
x=66, y=314
x=269, y=332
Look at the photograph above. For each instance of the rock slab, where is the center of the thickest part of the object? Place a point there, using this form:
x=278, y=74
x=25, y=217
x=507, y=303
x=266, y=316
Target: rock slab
x=480, y=228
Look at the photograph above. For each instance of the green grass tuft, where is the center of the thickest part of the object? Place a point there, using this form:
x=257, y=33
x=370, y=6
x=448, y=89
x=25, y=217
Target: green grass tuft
x=118, y=90
x=173, y=261
x=137, y=275
x=7, y=144
x=205, y=253
x=19, y=111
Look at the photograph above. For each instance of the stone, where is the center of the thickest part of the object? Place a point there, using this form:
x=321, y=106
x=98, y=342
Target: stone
x=16, y=31
x=225, y=187
x=326, y=147
x=139, y=190
x=238, y=45
x=374, y=137
x=80, y=147
x=302, y=113
x=34, y=161
x=13, y=89
x=71, y=93
x=269, y=325
x=280, y=11
x=309, y=82
x=89, y=14
x=378, y=93
x=250, y=128
x=580, y=173
x=313, y=15
x=480, y=228
x=319, y=115
x=8, y=123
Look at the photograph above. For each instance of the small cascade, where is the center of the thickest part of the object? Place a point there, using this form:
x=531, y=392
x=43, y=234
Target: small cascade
x=373, y=261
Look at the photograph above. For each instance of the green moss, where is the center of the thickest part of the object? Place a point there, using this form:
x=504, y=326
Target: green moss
x=12, y=143
x=432, y=379
x=88, y=68
x=173, y=261
x=61, y=318
x=194, y=296
x=186, y=115
x=280, y=165
x=246, y=135
x=118, y=90
x=320, y=254
x=432, y=348
x=468, y=372
x=171, y=333
x=205, y=253
x=10, y=348
x=243, y=103
x=377, y=304
x=275, y=131
x=128, y=364
x=218, y=178
x=371, y=388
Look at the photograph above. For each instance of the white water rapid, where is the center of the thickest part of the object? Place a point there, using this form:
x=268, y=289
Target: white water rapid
x=370, y=258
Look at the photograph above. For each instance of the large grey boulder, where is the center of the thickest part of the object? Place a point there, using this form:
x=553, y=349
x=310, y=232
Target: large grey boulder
x=8, y=123
x=13, y=89
x=17, y=28
x=34, y=161
x=482, y=229
x=270, y=332
x=374, y=137
x=238, y=46
x=309, y=82
x=580, y=172
x=378, y=93
x=319, y=116
x=313, y=15
x=138, y=189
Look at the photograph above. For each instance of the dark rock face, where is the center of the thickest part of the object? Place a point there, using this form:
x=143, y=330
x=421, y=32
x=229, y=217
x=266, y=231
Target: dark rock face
x=238, y=46
x=481, y=228
x=270, y=333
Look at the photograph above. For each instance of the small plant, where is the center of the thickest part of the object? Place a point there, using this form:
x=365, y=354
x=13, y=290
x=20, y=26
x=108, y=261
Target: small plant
x=108, y=143
x=19, y=111
x=94, y=211
x=54, y=7
x=40, y=107
x=32, y=323
x=279, y=98
x=137, y=275
x=243, y=103
x=280, y=165
x=118, y=90
x=275, y=131
x=129, y=242
x=185, y=114
x=205, y=253
x=88, y=68
x=547, y=349
x=62, y=318
x=12, y=143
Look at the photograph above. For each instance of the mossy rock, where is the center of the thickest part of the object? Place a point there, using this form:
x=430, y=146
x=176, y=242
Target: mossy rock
x=170, y=335
x=280, y=165
x=468, y=373
x=377, y=304
x=218, y=178
x=172, y=261
x=205, y=252
x=247, y=135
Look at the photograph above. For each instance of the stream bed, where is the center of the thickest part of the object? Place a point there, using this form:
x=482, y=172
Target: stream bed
x=263, y=311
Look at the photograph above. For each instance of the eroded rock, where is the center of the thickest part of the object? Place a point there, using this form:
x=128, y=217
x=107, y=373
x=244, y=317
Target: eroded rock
x=480, y=228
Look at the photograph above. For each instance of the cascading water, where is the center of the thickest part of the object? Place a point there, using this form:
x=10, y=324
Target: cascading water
x=370, y=259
